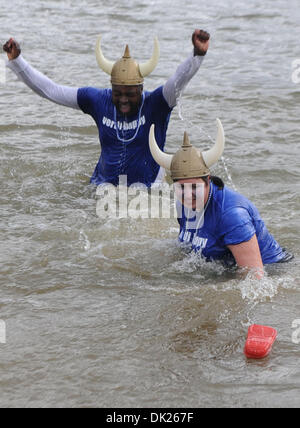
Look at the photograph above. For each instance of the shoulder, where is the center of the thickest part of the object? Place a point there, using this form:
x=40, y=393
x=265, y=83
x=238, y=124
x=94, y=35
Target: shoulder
x=237, y=217
x=88, y=97
x=232, y=209
x=226, y=199
x=234, y=202
x=90, y=92
x=156, y=97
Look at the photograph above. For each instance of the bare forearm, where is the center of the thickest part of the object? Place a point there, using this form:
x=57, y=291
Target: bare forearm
x=248, y=257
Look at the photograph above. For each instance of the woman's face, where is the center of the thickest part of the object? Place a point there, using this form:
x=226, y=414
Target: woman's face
x=192, y=193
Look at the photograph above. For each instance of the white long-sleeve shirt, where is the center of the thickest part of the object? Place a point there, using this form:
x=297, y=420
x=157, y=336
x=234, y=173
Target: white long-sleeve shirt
x=67, y=96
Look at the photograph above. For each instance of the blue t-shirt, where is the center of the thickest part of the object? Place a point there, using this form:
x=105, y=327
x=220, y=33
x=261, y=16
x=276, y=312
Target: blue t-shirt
x=229, y=219
x=126, y=158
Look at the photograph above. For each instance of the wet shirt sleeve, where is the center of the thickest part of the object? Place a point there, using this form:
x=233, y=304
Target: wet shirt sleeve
x=236, y=226
x=162, y=108
x=89, y=99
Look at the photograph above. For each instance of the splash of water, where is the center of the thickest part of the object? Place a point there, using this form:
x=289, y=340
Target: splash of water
x=255, y=290
x=85, y=240
x=194, y=263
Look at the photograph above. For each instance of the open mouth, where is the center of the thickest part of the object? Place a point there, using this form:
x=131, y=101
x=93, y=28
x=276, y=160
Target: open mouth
x=125, y=108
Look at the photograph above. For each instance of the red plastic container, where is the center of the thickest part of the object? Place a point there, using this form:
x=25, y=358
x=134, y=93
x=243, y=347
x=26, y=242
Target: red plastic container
x=259, y=341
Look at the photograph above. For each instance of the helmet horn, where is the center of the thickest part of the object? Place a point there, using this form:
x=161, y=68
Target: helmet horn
x=163, y=159
x=147, y=67
x=212, y=155
x=103, y=63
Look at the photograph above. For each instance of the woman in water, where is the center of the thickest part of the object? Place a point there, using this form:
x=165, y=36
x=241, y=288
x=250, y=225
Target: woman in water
x=217, y=222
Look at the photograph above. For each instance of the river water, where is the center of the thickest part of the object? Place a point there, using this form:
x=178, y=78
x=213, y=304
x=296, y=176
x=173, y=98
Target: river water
x=111, y=313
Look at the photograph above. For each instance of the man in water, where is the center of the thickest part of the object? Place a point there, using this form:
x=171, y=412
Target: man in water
x=124, y=113
x=215, y=221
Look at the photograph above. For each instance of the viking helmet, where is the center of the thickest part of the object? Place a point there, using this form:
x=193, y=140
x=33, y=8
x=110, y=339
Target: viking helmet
x=126, y=71
x=188, y=162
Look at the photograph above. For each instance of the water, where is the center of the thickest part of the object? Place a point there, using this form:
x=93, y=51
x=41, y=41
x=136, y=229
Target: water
x=112, y=313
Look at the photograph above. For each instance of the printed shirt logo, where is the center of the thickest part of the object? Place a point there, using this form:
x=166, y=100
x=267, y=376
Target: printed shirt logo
x=197, y=242
x=125, y=126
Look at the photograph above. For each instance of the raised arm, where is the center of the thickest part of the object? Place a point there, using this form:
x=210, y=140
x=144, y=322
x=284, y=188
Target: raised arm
x=38, y=82
x=184, y=73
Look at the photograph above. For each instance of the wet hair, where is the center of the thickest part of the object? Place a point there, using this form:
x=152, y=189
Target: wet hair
x=215, y=180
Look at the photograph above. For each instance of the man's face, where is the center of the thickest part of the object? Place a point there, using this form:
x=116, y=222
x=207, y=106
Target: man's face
x=127, y=99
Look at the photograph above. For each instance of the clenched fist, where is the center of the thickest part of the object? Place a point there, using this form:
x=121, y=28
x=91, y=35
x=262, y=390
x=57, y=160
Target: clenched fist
x=200, y=41
x=12, y=48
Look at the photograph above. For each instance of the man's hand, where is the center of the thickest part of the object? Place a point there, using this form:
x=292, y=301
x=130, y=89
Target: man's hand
x=12, y=48
x=200, y=41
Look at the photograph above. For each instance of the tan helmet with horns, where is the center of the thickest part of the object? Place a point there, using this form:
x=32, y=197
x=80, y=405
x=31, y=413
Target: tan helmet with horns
x=188, y=162
x=126, y=71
